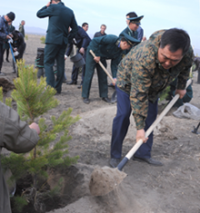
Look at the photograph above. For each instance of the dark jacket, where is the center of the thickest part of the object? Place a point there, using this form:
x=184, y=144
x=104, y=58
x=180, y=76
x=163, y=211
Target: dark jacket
x=19, y=44
x=10, y=30
x=3, y=29
x=60, y=19
x=82, y=40
x=98, y=34
x=107, y=47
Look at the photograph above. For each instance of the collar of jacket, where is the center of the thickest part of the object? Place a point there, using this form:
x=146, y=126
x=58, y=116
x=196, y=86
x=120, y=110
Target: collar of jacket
x=118, y=43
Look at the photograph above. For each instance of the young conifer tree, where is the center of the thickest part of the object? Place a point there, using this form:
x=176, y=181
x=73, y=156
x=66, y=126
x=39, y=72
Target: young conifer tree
x=34, y=98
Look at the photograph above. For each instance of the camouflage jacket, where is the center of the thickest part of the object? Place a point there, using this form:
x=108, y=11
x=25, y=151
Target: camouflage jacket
x=141, y=75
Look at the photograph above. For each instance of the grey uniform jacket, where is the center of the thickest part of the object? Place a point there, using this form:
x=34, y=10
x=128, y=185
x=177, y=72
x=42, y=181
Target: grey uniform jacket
x=16, y=136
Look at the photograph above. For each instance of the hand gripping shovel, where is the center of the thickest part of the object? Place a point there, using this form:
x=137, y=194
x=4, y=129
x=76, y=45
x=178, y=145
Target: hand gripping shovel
x=104, y=180
x=114, y=95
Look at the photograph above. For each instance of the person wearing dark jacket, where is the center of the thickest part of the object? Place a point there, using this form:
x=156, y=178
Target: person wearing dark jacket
x=82, y=40
x=18, y=46
x=104, y=47
x=57, y=38
x=4, y=35
x=101, y=32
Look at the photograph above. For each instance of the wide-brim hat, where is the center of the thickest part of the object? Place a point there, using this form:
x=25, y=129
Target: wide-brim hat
x=135, y=20
x=129, y=38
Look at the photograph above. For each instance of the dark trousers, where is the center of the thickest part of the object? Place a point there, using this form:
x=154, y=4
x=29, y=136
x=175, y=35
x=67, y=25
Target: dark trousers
x=75, y=70
x=54, y=52
x=1, y=56
x=89, y=72
x=121, y=123
x=7, y=52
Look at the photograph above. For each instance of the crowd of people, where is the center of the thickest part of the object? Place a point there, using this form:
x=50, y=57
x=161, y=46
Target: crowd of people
x=141, y=70
x=11, y=40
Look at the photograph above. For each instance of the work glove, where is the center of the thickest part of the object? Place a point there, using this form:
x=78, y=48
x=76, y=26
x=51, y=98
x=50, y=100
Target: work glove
x=10, y=40
x=16, y=53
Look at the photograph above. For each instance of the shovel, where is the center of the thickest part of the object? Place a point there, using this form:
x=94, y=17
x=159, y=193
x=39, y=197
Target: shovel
x=114, y=95
x=14, y=61
x=104, y=180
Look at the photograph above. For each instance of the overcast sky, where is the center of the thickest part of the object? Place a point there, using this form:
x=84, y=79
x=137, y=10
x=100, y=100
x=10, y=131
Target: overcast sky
x=158, y=14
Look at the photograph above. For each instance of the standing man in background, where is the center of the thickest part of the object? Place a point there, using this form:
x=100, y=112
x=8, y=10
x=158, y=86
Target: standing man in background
x=21, y=28
x=101, y=32
x=4, y=34
x=58, y=36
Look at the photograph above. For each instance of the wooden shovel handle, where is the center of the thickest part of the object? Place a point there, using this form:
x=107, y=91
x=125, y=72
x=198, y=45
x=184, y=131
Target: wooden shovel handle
x=102, y=66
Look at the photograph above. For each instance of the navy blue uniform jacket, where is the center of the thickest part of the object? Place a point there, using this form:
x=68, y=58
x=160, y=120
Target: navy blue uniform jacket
x=107, y=48
x=82, y=40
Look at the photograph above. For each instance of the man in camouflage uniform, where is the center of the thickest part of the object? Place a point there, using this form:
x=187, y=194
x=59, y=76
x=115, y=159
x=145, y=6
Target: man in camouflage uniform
x=143, y=73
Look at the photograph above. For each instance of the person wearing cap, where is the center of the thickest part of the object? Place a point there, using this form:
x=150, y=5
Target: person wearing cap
x=133, y=23
x=57, y=38
x=4, y=33
x=142, y=75
x=105, y=47
x=139, y=31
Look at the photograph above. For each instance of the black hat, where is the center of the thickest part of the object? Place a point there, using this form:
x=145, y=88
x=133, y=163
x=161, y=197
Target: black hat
x=11, y=16
x=129, y=38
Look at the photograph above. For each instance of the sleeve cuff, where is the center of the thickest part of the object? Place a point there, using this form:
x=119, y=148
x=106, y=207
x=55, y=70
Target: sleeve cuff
x=139, y=121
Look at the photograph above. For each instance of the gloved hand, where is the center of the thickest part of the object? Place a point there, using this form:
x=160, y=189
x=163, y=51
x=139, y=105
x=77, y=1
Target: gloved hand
x=10, y=40
x=16, y=53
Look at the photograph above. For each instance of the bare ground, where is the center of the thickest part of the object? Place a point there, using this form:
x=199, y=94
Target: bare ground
x=172, y=188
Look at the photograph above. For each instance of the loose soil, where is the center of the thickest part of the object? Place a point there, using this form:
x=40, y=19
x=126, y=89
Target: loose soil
x=172, y=188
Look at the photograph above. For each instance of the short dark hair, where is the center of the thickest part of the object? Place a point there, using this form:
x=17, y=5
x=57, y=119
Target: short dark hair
x=84, y=24
x=103, y=25
x=15, y=34
x=176, y=39
x=131, y=14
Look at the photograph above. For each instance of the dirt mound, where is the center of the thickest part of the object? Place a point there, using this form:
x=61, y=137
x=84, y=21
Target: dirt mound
x=6, y=84
x=104, y=180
